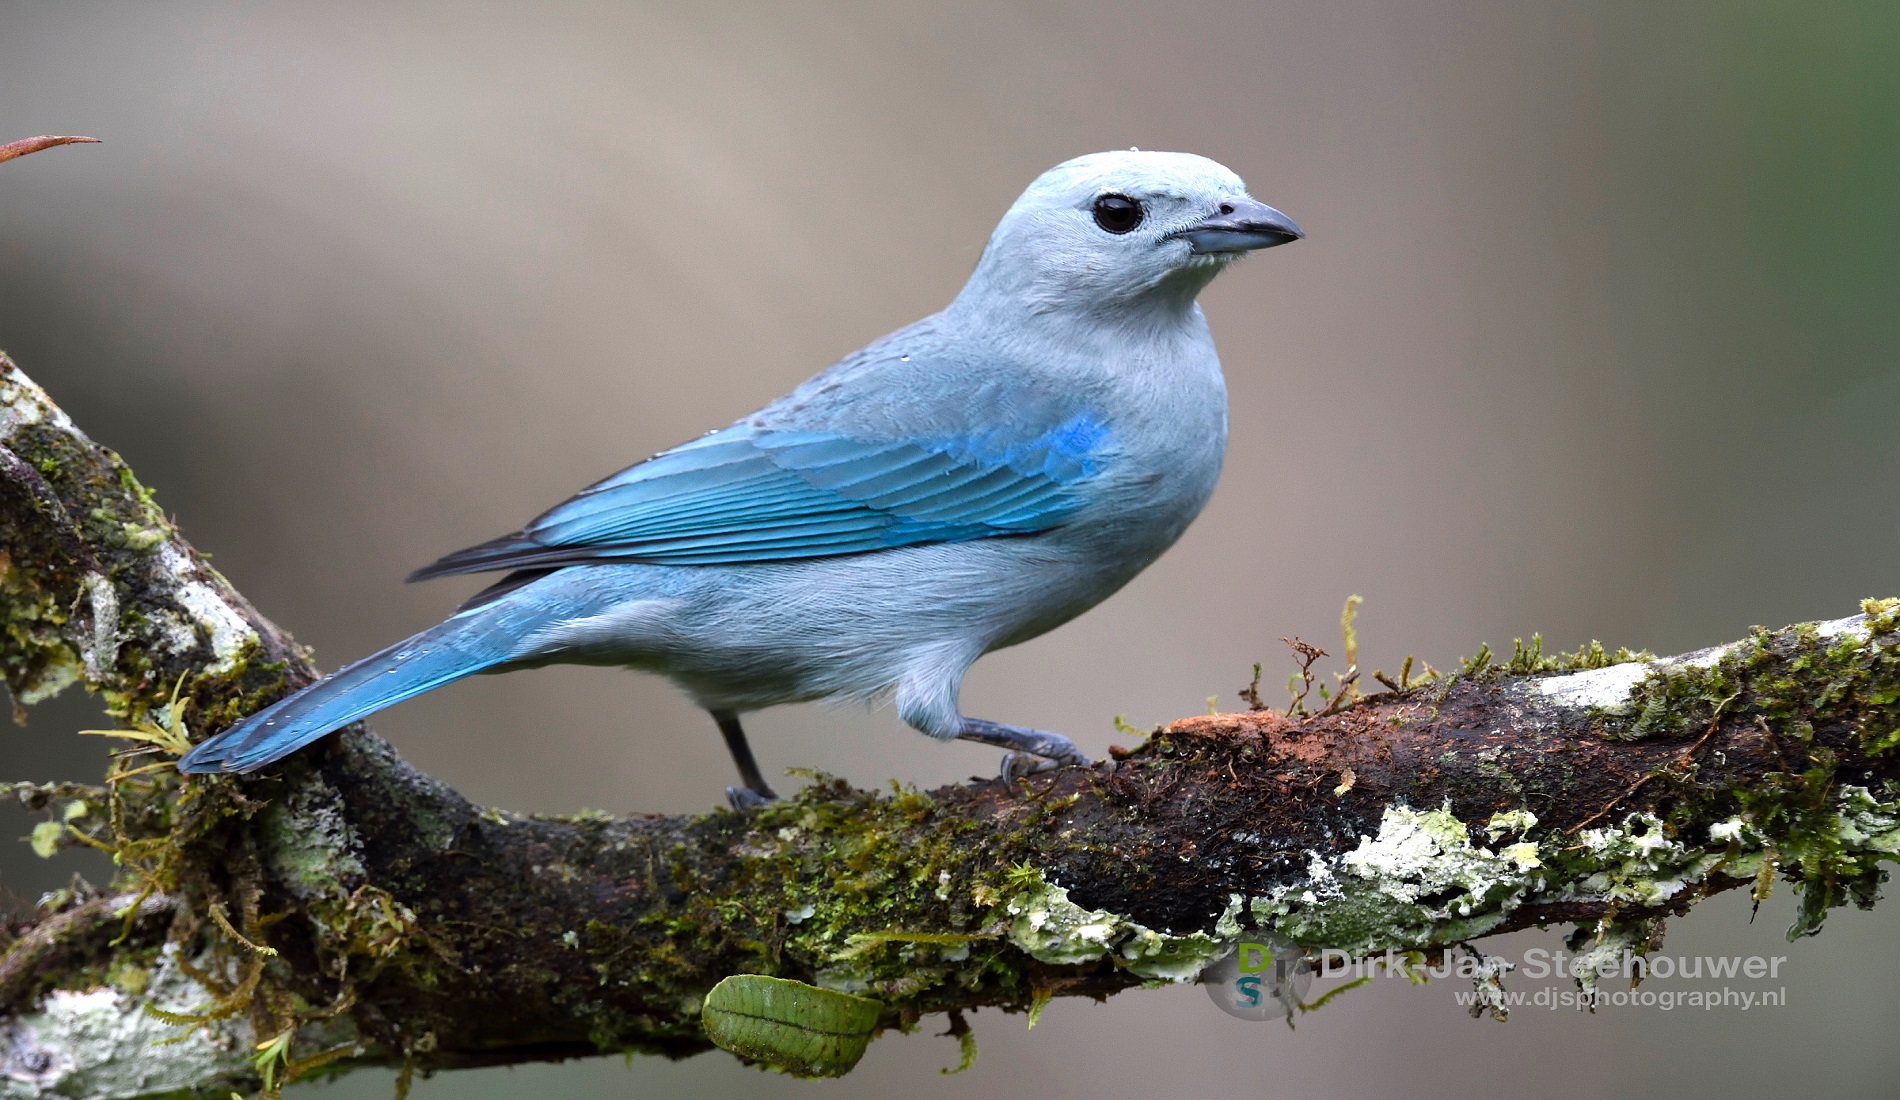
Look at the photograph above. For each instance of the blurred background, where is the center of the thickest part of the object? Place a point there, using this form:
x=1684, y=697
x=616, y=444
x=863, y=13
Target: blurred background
x=1597, y=333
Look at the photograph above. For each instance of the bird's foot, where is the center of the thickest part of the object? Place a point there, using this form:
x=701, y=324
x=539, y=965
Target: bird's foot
x=1031, y=751
x=745, y=799
x=1021, y=765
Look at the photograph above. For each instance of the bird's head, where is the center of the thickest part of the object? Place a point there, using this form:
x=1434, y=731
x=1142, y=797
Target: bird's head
x=1111, y=233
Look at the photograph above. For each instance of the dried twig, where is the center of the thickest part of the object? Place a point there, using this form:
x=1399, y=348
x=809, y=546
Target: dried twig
x=35, y=144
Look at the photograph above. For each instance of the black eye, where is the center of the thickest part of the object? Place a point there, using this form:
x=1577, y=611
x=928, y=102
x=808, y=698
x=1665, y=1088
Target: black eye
x=1117, y=213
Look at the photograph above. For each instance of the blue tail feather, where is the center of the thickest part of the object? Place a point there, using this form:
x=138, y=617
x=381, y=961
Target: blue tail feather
x=437, y=656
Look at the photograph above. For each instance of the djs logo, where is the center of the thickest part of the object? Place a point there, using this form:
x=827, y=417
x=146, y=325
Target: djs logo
x=1252, y=959
x=1264, y=979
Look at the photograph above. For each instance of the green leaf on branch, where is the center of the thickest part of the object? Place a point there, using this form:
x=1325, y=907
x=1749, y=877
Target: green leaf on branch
x=799, y=1028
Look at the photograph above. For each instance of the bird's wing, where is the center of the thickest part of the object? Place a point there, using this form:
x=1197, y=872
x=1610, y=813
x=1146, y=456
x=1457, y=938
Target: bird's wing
x=787, y=484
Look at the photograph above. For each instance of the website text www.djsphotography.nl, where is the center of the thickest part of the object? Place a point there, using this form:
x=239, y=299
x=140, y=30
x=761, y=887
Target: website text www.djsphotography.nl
x=1266, y=980
x=1721, y=982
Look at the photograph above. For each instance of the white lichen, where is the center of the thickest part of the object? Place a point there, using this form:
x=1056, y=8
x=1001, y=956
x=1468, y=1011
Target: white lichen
x=1052, y=929
x=227, y=630
x=1417, y=854
x=101, y=1043
x=1055, y=930
x=1523, y=854
x=1599, y=688
x=1853, y=626
x=1725, y=832
x=23, y=402
x=1510, y=821
x=99, y=647
x=1420, y=881
x=1639, y=864
x=1701, y=658
x=1609, y=689
x=1227, y=927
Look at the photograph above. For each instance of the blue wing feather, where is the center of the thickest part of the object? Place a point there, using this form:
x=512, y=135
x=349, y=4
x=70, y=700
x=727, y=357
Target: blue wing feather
x=759, y=491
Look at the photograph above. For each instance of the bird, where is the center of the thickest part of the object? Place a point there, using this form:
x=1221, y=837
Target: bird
x=964, y=484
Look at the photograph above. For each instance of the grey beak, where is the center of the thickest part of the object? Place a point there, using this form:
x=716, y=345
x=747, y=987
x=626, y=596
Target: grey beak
x=1242, y=225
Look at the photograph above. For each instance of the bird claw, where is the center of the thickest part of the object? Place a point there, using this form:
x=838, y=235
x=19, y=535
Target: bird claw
x=1016, y=765
x=745, y=799
x=1021, y=765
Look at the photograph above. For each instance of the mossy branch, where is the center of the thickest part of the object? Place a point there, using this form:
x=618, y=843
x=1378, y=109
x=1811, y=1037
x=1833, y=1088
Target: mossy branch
x=348, y=910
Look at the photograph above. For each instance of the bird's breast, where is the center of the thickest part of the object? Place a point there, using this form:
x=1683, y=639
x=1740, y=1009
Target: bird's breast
x=1170, y=435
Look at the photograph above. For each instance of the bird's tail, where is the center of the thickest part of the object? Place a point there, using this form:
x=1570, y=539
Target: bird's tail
x=464, y=645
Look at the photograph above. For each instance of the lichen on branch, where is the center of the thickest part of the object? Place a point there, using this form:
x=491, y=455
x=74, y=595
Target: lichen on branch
x=347, y=910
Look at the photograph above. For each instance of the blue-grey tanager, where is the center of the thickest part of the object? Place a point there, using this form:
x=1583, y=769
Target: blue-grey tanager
x=963, y=484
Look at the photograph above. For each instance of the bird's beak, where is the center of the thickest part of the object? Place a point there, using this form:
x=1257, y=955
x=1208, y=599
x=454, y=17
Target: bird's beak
x=1242, y=226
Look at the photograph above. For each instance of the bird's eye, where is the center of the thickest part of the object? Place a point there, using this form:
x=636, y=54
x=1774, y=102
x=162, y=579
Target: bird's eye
x=1117, y=213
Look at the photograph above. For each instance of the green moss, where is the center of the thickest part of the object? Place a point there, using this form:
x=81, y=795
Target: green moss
x=897, y=864
x=1674, y=698
x=1531, y=660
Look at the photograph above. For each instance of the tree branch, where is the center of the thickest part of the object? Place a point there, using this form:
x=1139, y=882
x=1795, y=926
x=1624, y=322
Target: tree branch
x=349, y=910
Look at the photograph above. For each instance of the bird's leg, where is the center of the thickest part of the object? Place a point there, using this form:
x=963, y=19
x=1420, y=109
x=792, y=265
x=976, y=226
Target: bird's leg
x=1030, y=750
x=756, y=792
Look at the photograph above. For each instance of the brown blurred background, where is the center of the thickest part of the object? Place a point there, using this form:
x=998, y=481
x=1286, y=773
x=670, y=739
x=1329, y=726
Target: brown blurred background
x=1595, y=334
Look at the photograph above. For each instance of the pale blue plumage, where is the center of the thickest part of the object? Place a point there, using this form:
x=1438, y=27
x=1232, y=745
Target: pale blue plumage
x=961, y=485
